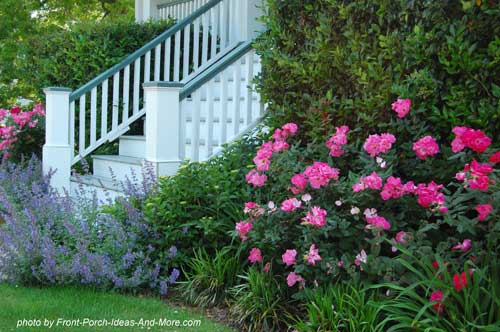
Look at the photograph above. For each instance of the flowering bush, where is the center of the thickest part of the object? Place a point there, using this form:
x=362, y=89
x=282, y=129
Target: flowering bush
x=53, y=239
x=343, y=209
x=21, y=132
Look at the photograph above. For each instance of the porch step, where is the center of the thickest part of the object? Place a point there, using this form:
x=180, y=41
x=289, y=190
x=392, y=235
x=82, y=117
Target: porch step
x=88, y=185
x=122, y=167
x=132, y=146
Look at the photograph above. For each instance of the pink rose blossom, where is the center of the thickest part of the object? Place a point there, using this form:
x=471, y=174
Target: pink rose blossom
x=313, y=256
x=243, y=228
x=257, y=180
x=290, y=128
x=265, y=151
x=372, y=181
x=316, y=217
x=293, y=278
x=426, y=147
x=471, y=138
x=495, y=158
x=291, y=204
x=484, y=210
x=340, y=264
x=319, y=174
x=402, y=237
x=337, y=140
x=377, y=222
x=279, y=146
x=393, y=188
x=430, y=195
x=255, y=255
x=289, y=257
x=299, y=182
x=401, y=107
x=262, y=164
x=376, y=144
x=267, y=267
x=464, y=246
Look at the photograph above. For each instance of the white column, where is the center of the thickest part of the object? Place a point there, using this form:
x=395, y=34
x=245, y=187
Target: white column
x=247, y=23
x=149, y=10
x=138, y=10
x=163, y=126
x=57, y=152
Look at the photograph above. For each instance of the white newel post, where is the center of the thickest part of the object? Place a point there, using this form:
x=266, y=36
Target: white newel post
x=163, y=126
x=247, y=21
x=57, y=152
x=147, y=9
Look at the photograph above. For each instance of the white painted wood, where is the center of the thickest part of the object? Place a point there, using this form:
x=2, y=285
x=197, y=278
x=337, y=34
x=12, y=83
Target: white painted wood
x=121, y=167
x=137, y=85
x=177, y=54
x=168, y=47
x=93, y=116
x=186, y=49
x=116, y=100
x=223, y=92
x=57, y=152
x=72, y=132
x=237, y=94
x=126, y=93
x=147, y=67
x=210, y=117
x=223, y=23
x=196, y=44
x=132, y=146
x=195, y=135
x=204, y=44
x=214, y=29
x=104, y=108
x=162, y=124
x=82, y=124
x=157, y=62
x=249, y=93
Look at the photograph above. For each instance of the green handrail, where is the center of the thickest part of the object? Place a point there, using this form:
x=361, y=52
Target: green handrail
x=143, y=50
x=214, y=70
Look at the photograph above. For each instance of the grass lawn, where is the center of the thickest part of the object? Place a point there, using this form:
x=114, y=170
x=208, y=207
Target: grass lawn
x=92, y=307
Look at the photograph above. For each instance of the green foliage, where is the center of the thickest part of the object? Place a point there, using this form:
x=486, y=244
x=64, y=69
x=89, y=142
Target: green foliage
x=344, y=62
x=259, y=303
x=476, y=307
x=209, y=278
x=199, y=205
x=72, y=57
x=341, y=307
x=22, y=22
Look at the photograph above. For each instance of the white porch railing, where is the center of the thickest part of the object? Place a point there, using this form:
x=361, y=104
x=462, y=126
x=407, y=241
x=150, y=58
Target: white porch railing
x=212, y=110
x=179, y=9
x=201, y=52
x=103, y=109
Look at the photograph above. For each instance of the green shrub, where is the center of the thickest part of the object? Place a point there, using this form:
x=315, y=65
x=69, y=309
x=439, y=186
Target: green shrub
x=74, y=55
x=197, y=207
x=209, y=277
x=339, y=61
x=259, y=303
x=342, y=307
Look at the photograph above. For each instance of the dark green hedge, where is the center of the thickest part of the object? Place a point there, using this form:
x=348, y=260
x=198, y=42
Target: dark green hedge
x=71, y=57
x=344, y=62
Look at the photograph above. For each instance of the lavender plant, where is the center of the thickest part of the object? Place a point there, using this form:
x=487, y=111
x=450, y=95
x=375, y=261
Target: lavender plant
x=48, y=238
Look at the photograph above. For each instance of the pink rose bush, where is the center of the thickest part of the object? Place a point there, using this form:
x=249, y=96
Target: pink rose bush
x=16, y=126
x=424, y=193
